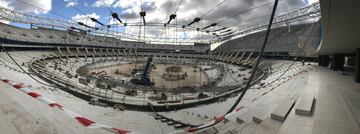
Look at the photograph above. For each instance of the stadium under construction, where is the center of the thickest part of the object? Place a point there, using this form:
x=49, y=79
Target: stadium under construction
x=262, y=68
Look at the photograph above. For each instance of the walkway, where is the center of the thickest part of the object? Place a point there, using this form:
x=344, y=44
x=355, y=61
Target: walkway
x=338, y=104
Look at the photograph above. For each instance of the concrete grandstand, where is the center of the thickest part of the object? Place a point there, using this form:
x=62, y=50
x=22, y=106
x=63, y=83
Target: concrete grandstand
x=287, y=73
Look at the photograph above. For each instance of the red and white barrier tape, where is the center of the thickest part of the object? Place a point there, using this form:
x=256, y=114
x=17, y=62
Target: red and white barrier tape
x=80, y=119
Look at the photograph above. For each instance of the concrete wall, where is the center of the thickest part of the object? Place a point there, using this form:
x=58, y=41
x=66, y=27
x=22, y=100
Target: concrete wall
x=341, y=29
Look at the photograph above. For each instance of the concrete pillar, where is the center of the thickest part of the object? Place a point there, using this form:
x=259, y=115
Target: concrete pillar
x=320, y=60
x=338, y=62
x=357, y=65
x=324, y=60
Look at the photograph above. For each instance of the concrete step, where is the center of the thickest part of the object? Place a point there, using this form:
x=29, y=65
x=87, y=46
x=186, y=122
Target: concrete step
x=232, y=131
x=164, y=120
x=158, y=117
x=305, y=105
x=211, y=130
x=268, y=126
x=259, y=116
x=244, y=117
x=179, y=125
x=283, y=110
x=239, y=120
x=171, y=122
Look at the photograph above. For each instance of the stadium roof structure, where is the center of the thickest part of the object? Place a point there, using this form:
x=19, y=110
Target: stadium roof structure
x=294, y=15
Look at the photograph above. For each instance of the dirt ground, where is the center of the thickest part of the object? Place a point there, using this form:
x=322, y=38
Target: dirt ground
x=193, y=78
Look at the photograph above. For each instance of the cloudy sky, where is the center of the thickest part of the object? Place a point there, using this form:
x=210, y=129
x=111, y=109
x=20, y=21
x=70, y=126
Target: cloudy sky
x=230, y=13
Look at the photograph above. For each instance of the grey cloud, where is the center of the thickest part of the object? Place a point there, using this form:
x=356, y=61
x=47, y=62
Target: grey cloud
x=131, y=15
x=149, y=6
x=30, y=6
x=229, y=11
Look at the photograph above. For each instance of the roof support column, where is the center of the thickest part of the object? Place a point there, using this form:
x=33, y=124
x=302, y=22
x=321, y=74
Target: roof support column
x=338, y=62
x=324, y=60
x=357, y=66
